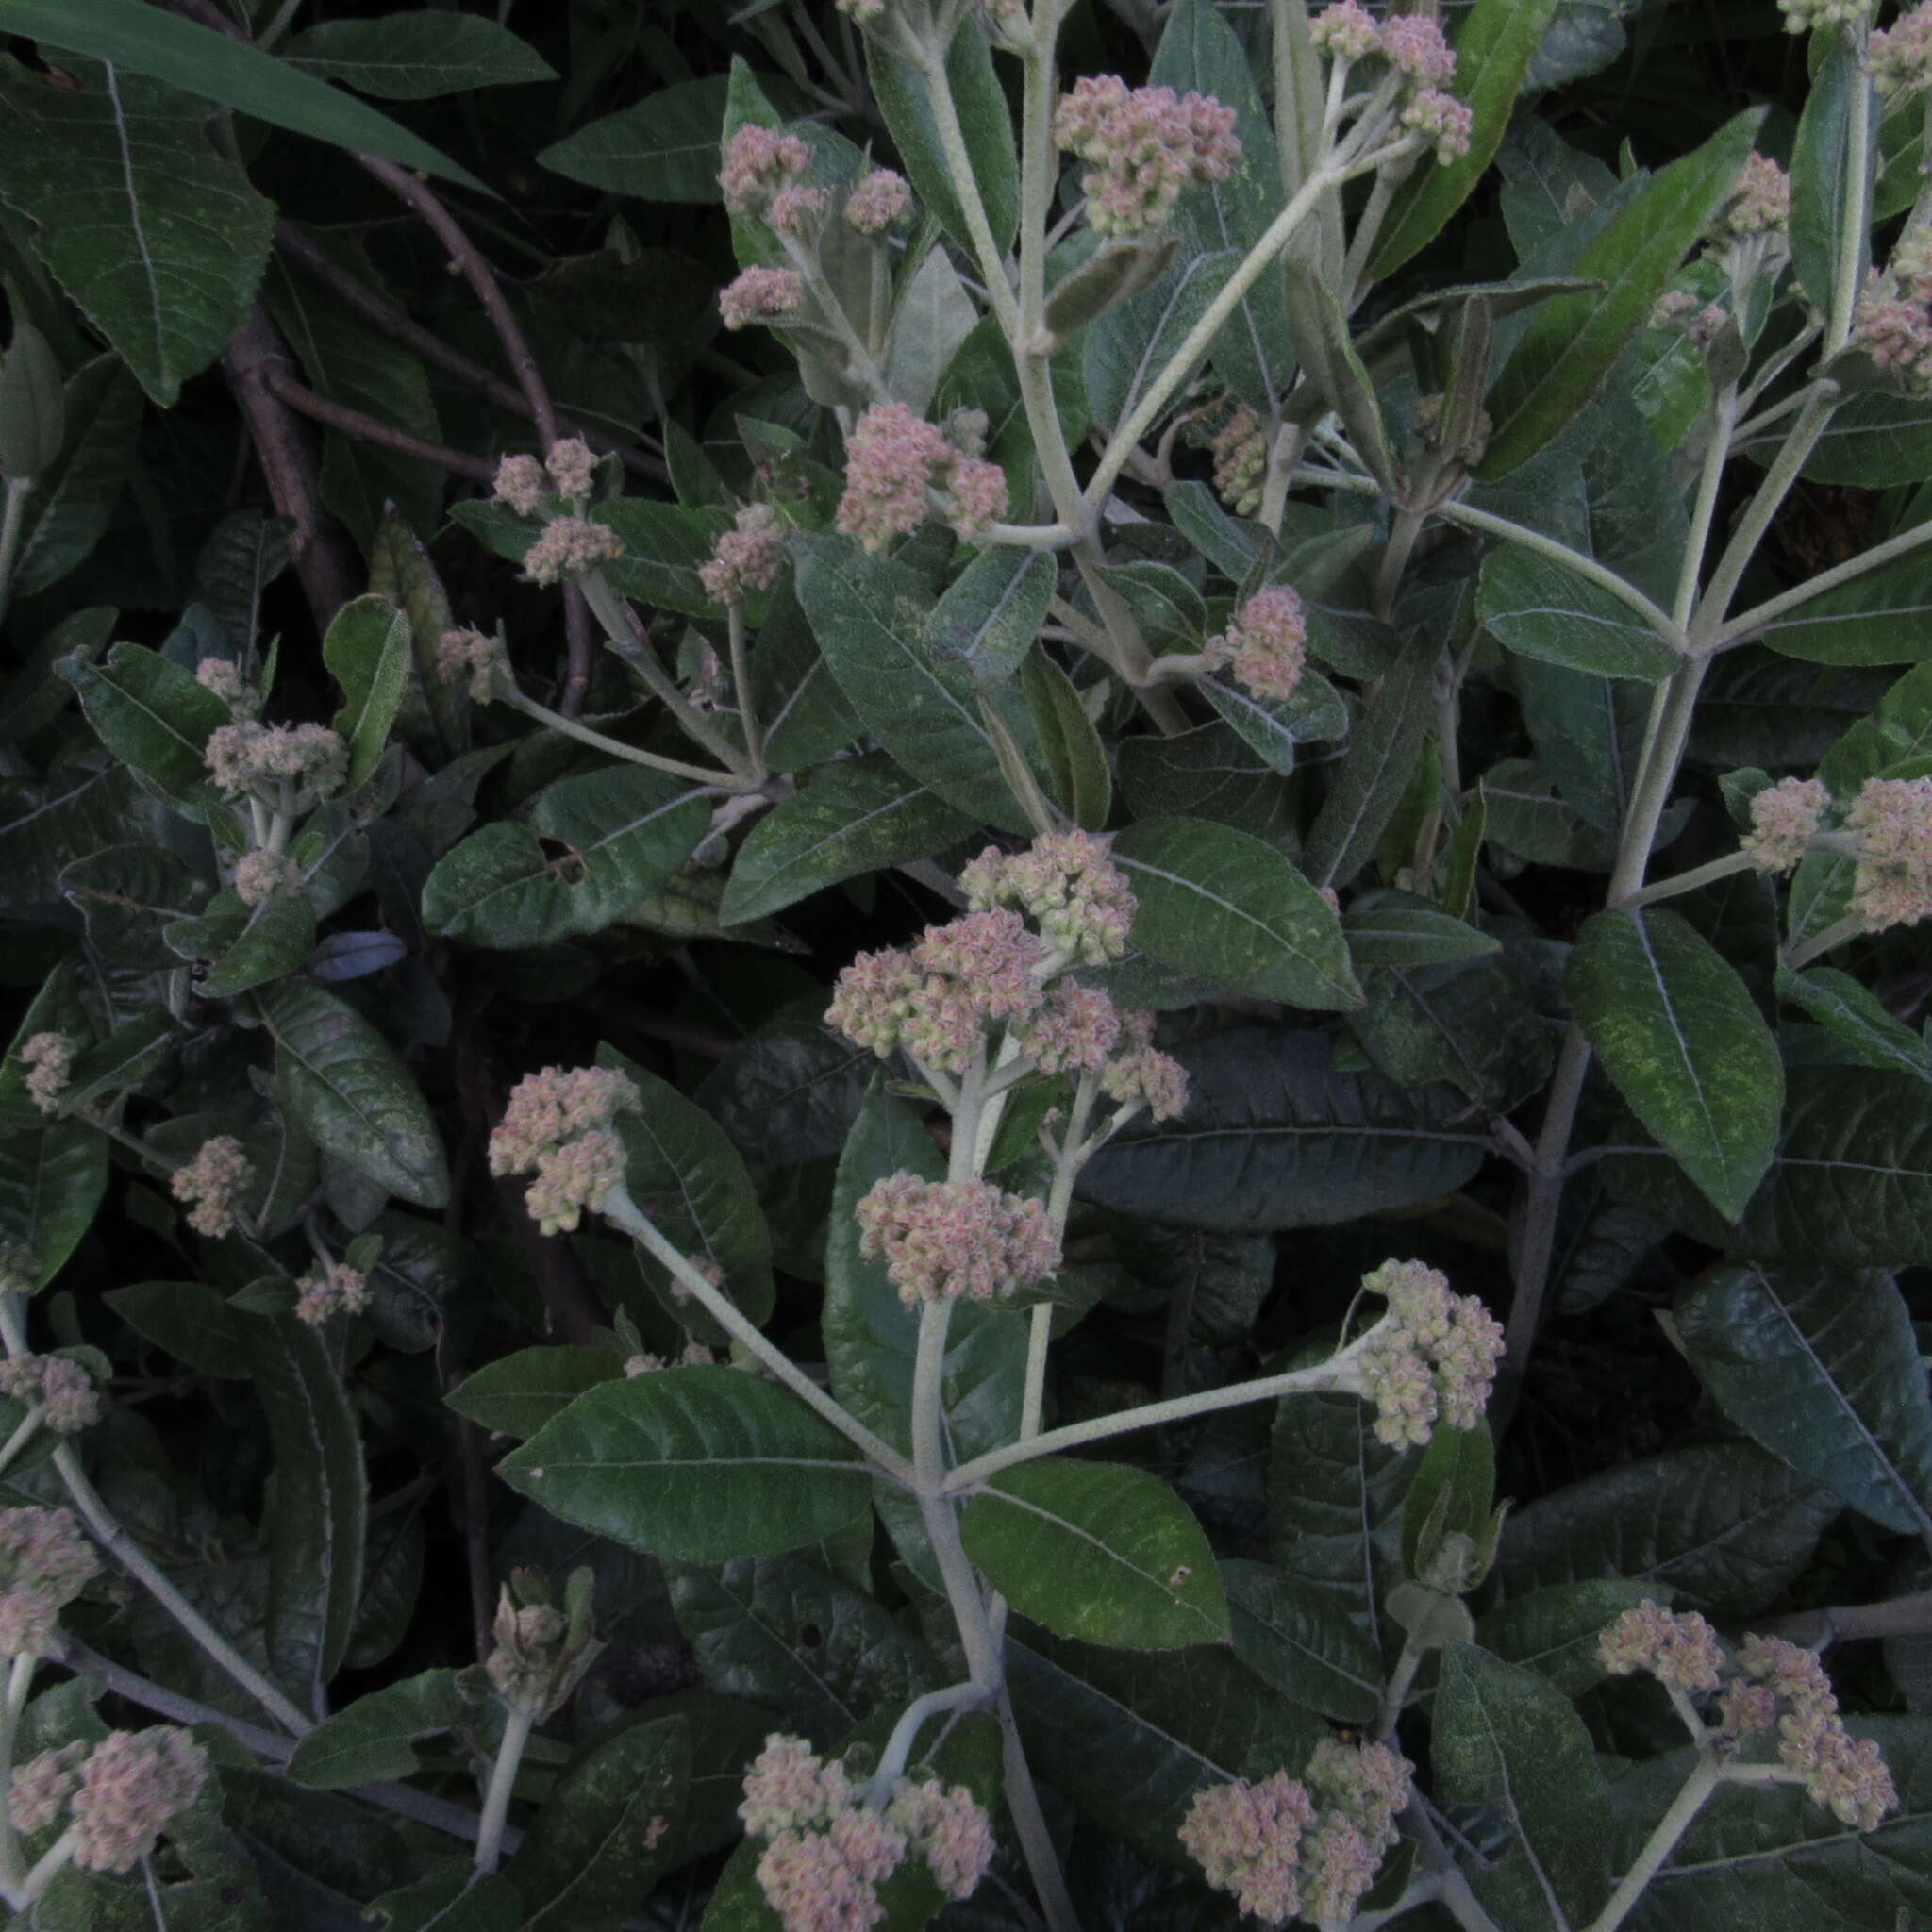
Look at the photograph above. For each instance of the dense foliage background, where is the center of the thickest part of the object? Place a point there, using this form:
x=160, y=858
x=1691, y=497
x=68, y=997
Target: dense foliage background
x=269, y=341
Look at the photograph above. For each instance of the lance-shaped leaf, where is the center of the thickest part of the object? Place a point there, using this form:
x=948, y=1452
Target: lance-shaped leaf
x=1505, y=1737
x=1215, y=902
x=1824, y=1371
x=375, y=1737
x=192, y=1322
x=70, y=508
x=1879, y=618
x=1070, y=747
x=592, y=848
x=1098, y=1551
x=352, y=1093
x=517, y=1394
x=1534, y=606
x=1573, y=342
x=663, y=148
x=416, y=57
x=1390, y=928
x=1297, y=1638
x=1678, y=1033
x=1821, y=167
x=853, y=816
x=51, y=1183
x=149, y=712
x=990, y=616
x=1381, y=760
x=698, y=1464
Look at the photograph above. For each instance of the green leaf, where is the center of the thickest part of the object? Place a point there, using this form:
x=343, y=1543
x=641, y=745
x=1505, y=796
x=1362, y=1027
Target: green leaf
x=357, y=1099
x=1880, y=617
x=685, y=1173
x=593, y=847
x=932, y=315
x=150, y=713
x=1298, y=1642
x=1276, y=727
x=1493, y=48
x=1824, y=1371
x=1857, y=1016
x=665, y=548
x=989, y=617
x=159, y=240
x=375, y=1737
x=1076, y=760
x=1554, y=1632
x=1456, y=1477
x=69, y=510
x=1525, y=818
x=1273, y=1138
x=51, y=1183
x=416, y=57
x=451, y=1898
x=854, y=816
x=905, y=101
x=786, y=1635
x=664, y=148
x=1214, y=901
x=111, y=1067
x=1573, y=342
x=1872, y=442
x=1209, y=773
x=807, y=718
x=1471, y=1024
x=1505, y=1738
x=1722, y=1524
x=235, y=73
x=1383, y=749
x=869, y=614
x=606, y=1834
x=192, y=1322
x=1677, y=1032
x=1821, y=167
x=699, y=1464
x=517, y=1394
x=1531, y=605
x=247, y=945
x=320, y=1520
x=1390, y=928
x=1098, y=1551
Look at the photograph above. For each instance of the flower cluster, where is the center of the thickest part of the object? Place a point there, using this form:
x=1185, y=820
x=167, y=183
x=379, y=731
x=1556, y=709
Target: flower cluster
x=64, y=1391
x=1440, y=117
x=334, y=1289
x=569, y=547
x=746, y=557
x=527, y=485
x=1892, y=884
x=1784, y=816
x=48, y=1059
x=1074, y=1028
x=944, y=1239
x=759, y=164
x=1240, y=461
x=523, y=483
x=1893, y=322
x=572, y=467
x=471, y=655
x=1900, y=57
x=212, y=1185
x=1346, y=32
x=248, y=757
x=892, y=460
x=1433, y=1357
x=558, y=1125
x=1413, y=44
x=1266, y=644
x=1145, y=144
x=1142, y=1075
x=46, y=1563
x=1769, y=1684
x=1308, y=1845
x=759, y=294
x=542, y=1650
x=1692, y=317
x=1067, y=885
x=1760, y=204
x=222, y=676
x=1803, y=16
x=879, y=202
x=260, y=875
x=828, y=1852
x=126, y=1792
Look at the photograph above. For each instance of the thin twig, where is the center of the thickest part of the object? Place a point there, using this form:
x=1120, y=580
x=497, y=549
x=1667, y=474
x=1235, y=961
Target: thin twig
x=297, y=395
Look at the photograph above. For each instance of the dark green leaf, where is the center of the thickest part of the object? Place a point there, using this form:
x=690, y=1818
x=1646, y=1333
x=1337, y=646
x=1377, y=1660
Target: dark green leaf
x=375, y=1737
x=1076, y=760
x=51, y=1183
x=516, y=1394
x=1554, y=1632
x=1296, y=1640
x=149, y=712
x=664, y=148
x=1534, y=606
x=76, y=497
x=416, y=57
x=990, y=616
x=1879, y=618
x=1821, y=167
x=192, y=1322
x=1391, y=929
x=1381, y=760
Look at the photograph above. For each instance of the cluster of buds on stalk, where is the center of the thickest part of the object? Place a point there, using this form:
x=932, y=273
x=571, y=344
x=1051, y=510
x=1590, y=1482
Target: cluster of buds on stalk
x=829, y=1848
x=212, y=1186
x=542, y=1649
x=290, y=767
x=56, y=1385
x=1892, y=321
x=557, y=490
x=1308, y=1846
x=118, y=1797
x=46, y=1563
x=1412, y=65
x=1144, y=146
x=1431, y=1359
x=48, y=1059
x=475, y=659
x=899, y=468
x=333, y=1288
x=747, y=557
x=559, y=1126
x=1767, y=1690
x=1886, y=830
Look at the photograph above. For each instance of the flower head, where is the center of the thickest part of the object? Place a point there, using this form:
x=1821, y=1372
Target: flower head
x=1145, y=144
x=1067, y=885
x=1240, y=458
x=1802, y=16
x=881, y=201
x=558, y=1125
x=1761, y=202
x=132, y=1785
x=212, y=1185
x=523, y=484
x=1900, y=57
x=46, y=1563
x=1414, y=44
x=476, y=656
x=222, y=676
x=572, y=1178
x=260, y=875
x=1436, y=1355
x=1247, y=1839
x=759, y=294
x=1075, y=1027
x=68, y=1400
x=248, y=757
x=42, y=1787
x=746, y=557
x=1892, y=883
x=1142, y=1075
x=334, y=1289
x=944, y=1239
x=1440, y=117
x=1266, y=644
x=48, y=1059
x=759, y=164
x=950, y=1826
x=797, y=211
x=1697, y=321
x=571, y=547
x=1784, y=816
x=572, y=466
x=892, y=458
x=1346, y=30
x=1679, y=1650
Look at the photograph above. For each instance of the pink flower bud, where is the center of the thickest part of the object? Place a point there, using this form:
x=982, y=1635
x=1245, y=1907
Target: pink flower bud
x=572, y=466
x=942, y=1240
x=42, y=1787
x=879, y=202
x=1414, y=43
x=1347, y=31
x=746, y=558
x=1266, y=645
x=261, y=875
x=1681, y=1651
x=1440, y=117
x=760, y=162
x=759, y=294
x=1784, y=816
x=48, y=1059
x=212, y=1185
x=1146, y=145
x=1068, y=885
x=471, y=655
x=1900, y=57
x=571, y=547
x=521, y=483
x=1892, y=884
x=1247, y=1839
x=132, y=1786
x=335, y=1289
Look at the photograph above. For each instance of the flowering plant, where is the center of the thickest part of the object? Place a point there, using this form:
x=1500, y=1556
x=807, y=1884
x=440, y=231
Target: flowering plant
x=987, y=992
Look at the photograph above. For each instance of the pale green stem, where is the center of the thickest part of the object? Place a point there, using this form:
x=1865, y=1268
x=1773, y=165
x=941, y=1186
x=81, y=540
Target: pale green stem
x=898, y=1751
x=1655, y=780
x=496, y=1795
x=1029, y=1821
x=1028, y=535
x=12, y=523
x=1706, y=874
x=20, y=1682
x=584, y=733
x=741, y=678
x=1834, y=935
x=1671, y=1827
x=1710, y=479
x=1337, y=1373
x=1546, y=1194
x=22, y=1436
x=929, y=1397
x=1363, y=241
x=55, y=1860
x=1401, y=1681
x=1740, y=628
x=622, y=1211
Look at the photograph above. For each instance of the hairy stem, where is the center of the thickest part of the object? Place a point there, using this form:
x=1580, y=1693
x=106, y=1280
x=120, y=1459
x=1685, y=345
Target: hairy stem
x=585, y=734
x=1671, y=1827
x=20, y=1680
x=496, y=1795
